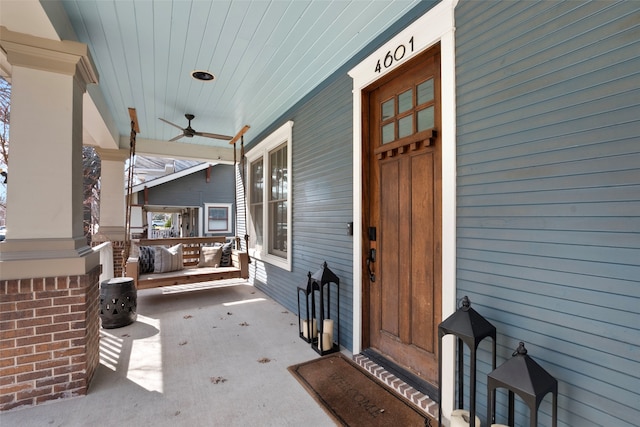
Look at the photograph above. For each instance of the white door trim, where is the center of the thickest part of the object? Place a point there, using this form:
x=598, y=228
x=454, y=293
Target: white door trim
x=436, y=26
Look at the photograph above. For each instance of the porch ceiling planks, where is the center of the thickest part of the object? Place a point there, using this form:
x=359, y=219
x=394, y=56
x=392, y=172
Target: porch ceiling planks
x=265, y=56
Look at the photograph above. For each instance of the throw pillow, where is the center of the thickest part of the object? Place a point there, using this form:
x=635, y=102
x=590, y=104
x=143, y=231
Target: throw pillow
x=210, y=256
x=146, y=258
x=168, y=259
x=225, y=258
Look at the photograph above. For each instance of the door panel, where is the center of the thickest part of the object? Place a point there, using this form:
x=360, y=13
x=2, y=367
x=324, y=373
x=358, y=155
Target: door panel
x=389, y=263
x=402, y=199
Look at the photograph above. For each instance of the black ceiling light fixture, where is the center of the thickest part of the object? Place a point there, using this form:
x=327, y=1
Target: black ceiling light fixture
x=201, y=75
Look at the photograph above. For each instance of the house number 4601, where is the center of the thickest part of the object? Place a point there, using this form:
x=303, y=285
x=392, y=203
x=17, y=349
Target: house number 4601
x=392, y=57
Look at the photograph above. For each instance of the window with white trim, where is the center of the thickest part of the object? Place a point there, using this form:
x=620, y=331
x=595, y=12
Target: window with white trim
x=269, y=210
x=217, y=218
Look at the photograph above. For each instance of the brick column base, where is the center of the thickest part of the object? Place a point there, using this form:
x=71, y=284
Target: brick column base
x=49, y=338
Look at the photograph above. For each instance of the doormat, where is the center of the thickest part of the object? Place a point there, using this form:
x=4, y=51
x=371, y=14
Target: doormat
x=353, y=397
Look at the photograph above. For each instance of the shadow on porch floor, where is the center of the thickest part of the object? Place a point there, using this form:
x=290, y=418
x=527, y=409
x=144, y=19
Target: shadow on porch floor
x=200, y=355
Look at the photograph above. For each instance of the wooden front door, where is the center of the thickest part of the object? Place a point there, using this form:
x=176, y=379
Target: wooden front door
x=402, y=215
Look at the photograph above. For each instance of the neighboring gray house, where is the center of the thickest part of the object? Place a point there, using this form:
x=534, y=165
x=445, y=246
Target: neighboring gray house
x=197, y=196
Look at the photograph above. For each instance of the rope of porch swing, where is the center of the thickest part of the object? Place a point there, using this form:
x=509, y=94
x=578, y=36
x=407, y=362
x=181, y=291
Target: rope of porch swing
x=127, y=233
x=241, y=166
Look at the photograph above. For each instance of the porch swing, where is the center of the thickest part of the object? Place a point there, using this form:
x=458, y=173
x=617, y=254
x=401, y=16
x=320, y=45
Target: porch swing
x=132, y=152
x=191, y=267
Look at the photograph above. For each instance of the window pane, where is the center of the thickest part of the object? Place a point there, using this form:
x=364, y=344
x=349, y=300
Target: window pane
x=425, y=92
x=256, y=215
x=277, y=227
x=388, y=109
x=217, y=225
x=425, y=119
x=218, y=219
x=405, y=126
x=278, y=230
x=388, y=132
x=405, y=101
x=278, y=166
x=257, y=181
x=218, y=213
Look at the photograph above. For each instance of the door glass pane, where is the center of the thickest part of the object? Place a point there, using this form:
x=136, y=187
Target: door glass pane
x=425, y=119
x=405, y=126
x=388, y=108
x=405, y=101
x=425, y=92
x=388, y=132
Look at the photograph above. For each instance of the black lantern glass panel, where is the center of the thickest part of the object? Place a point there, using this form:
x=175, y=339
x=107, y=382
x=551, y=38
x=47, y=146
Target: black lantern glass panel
x=307, y=325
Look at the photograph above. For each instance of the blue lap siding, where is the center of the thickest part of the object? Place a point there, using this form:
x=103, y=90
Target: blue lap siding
x=548, y=195
x=322, y=202
x=548, y=227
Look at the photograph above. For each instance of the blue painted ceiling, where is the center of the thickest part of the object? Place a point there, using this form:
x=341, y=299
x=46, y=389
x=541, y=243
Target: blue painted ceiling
x=265, y=55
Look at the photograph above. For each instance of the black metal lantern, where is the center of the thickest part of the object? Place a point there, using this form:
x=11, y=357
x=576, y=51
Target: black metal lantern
x=322, y=280
x=307, y=328
x=471, y=328
x=523, y=376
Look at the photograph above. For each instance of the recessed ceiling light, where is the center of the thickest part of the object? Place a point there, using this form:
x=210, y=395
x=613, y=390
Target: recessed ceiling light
x=205, y=76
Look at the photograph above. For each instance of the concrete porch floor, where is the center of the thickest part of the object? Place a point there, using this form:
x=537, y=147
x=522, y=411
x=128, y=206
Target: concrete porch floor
x=211, y=354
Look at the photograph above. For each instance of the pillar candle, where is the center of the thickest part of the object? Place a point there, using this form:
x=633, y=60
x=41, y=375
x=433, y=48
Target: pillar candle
x=327, y=326
x=460, y=418
x=314, y=329
x=327, y=343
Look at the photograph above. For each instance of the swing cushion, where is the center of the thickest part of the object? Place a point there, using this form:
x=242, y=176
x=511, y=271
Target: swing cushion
x=168, y=259
x=210, y=256
x=146, y=259
x=225, y=258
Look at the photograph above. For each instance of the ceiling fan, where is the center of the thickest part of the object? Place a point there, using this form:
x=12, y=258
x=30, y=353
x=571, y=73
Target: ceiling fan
x=189, y=132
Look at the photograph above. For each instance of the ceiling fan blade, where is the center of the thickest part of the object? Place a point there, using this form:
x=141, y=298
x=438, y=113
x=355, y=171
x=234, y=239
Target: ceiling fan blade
x=169, y=123
x=175, y=138
x=213, y=135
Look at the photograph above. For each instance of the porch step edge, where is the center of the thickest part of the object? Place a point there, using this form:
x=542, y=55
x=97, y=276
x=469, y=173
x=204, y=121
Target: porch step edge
x=419, y=399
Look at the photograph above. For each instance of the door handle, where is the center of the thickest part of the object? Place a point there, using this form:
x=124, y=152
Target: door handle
x=371, y=258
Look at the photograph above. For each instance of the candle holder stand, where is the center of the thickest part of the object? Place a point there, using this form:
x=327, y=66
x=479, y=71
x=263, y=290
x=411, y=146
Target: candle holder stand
x=322, y=281
x=521, y=375
x=470, y=328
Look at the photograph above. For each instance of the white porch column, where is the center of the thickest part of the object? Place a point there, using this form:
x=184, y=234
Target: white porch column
x=44, y=196
x=112, y=195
